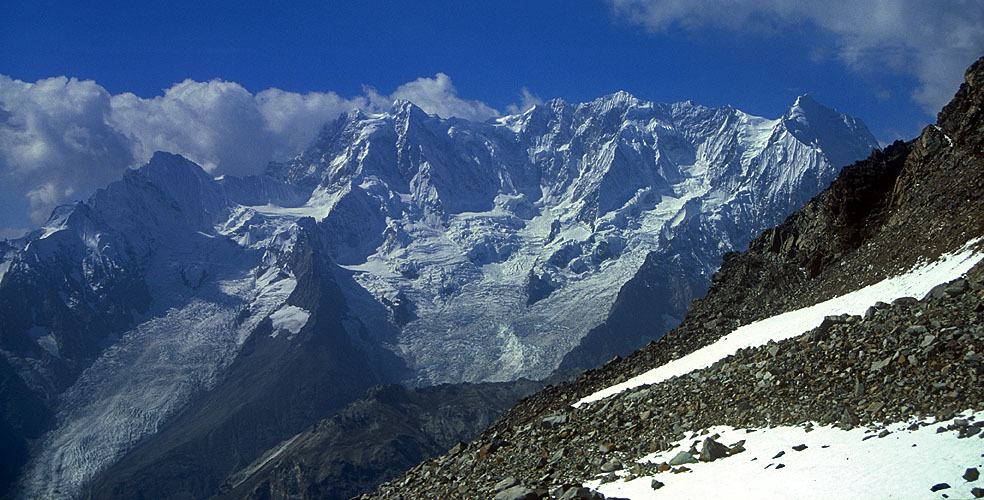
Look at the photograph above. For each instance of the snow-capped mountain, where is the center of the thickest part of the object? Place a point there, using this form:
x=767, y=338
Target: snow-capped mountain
x=402, y=246
x=837, y=357
x=497, y=246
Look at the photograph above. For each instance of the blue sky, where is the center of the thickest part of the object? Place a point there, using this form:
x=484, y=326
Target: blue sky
x=201, y=73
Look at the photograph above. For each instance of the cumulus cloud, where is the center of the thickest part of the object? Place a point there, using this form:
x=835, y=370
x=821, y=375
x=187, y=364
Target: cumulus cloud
x=932, y=41
x=435, y=96
x=527, y=101
x=56, y=140
x=62, y=138
x=222, y=126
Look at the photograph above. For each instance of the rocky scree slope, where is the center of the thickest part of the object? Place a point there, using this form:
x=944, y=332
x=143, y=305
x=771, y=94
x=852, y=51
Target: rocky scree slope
x=909, y=203
x=852, y=371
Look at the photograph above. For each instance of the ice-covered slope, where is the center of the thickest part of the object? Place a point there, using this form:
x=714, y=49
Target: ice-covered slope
x=898, y=369
x=496, y=247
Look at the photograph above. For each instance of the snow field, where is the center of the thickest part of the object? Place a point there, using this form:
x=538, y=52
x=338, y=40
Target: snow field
x=290, y=318
x=836, y=464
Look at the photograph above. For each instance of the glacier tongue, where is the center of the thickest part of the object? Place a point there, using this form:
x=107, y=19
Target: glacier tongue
x=213, y=276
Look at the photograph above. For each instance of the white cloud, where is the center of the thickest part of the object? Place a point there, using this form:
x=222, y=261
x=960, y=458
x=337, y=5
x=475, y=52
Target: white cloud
x=527, y=101
x=932, y=41
x=62, y=138
x=435, y=96
x=222, y=126
x=56, y=140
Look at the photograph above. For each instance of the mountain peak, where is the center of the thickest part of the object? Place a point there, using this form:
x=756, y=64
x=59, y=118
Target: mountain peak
x=619, y=97
x=837, y=134
x=406, y=107
x=162, y=162
x=416, y=216
x=805, y=100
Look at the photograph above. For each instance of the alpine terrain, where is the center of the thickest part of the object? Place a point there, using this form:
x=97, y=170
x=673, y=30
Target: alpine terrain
x=161, y=336
x=839, y=356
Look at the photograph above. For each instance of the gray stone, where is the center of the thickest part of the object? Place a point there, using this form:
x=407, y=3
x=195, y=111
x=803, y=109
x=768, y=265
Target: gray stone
x=977, y=492
x=517, y=492
x=656, y=484
x=800, y=447
x=957, y=287
x=905, y=301
x=939, y=486
x=829, y=321
x=712, y=450
x=611, y=466
x=458, y=448
x=553, y=421
x=682, y=458
x=971, y=475
x=879, y=365
x=580, y=493
x=916, y=330
x=508, y=482
x=938, y=292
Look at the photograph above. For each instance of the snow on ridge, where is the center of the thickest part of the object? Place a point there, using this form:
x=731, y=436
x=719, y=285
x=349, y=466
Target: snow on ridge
x=915, y=283
x=836, y=463
x=289, y=318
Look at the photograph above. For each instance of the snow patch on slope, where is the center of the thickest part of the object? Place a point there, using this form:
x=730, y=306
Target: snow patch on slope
x=915, y=283
x=289, y=318
x=836, y=464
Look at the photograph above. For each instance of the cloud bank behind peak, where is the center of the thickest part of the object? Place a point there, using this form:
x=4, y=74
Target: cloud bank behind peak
x=62, y=138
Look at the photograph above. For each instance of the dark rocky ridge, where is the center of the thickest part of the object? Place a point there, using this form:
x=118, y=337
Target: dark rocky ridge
x=373, y=439
x=911, y=202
